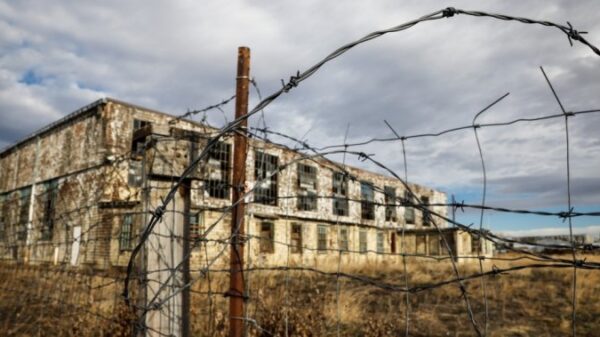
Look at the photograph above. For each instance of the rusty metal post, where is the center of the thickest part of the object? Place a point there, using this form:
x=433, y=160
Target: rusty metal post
x=236, y=281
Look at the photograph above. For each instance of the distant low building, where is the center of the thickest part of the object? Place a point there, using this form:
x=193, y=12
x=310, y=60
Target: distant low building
x=550, y=242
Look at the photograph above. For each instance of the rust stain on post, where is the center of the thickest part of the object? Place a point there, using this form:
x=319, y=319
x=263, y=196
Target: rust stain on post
x=236, y=291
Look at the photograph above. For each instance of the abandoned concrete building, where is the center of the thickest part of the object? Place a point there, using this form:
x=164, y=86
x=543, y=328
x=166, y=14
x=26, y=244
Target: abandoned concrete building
x=80, y=190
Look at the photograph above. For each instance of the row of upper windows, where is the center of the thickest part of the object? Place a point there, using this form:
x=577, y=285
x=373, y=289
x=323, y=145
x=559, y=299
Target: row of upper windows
x=217, y=184
x=266, y=171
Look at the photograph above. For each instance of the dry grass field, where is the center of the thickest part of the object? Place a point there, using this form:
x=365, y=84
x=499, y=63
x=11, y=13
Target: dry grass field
x=530, y=302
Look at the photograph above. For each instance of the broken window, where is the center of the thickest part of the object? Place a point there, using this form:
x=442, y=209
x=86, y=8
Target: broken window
x=141, y=130
x=296, y=238
x=134, y=174
x=196, y=225
x=380, y=238
x=367, y=198
x=322, y=238
x=139, y=124
x=390, y=203
x=267, y=237
x=426, y=212
x=126, y=235
x=25, y=200
x=218, y=170
x=307, y=188
x=343, y=239
x=362, y=241
x=50, y=196
x=340, y=194
x=409, y=211
x=265, y=175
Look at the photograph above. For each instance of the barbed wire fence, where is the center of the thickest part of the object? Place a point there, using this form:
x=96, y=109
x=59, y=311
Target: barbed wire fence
x=169, y=261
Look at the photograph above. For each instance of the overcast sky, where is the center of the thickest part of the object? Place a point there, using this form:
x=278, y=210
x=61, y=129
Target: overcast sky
x=177, y=55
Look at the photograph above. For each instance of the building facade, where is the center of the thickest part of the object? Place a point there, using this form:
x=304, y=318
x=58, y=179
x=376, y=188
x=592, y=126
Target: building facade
x=80, y=190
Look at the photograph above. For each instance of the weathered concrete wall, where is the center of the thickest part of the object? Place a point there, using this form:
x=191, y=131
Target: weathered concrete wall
x=62, y=151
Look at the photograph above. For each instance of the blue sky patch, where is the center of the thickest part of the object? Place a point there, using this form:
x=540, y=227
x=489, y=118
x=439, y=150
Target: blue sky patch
x=31, y=78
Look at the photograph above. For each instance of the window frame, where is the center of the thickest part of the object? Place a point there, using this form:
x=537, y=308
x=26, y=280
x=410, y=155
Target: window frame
x=24, y=206
x=221, y=154
x=306, y=199
x=339, y=191
x=267, y=244
x=134, y=173
x=363, y=241
x=343, y=239
x=266, y=195
x=380, y=244
x=126, y=233
x=48, y=217
x=196, y=227
x=409, y=211
x=322, y=244
x=367, y=200
x=296, y=235
x=137, y=141
x=426, y=219
x=390, y=203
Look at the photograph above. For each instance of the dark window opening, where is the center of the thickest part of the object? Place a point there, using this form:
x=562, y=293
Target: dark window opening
x=426, y=213
x=48, y=219
x=307, y=188
x=367, y=198
x=340, y=194
x=296, y=239
x=141, y=130
x=409, y=211
x=126, y=235
x=25, y=200
x=196, y=225
x=390, y=203
x=267, y=237
x=218, y=171
x=139, y=124
x=265, y=174
x=393, y=243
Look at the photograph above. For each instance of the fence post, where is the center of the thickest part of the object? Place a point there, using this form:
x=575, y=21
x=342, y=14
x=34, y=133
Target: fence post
x=236, y=283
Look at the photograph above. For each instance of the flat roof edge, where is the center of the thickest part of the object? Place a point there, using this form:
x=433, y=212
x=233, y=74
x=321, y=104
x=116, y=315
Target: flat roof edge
x=53, y=125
